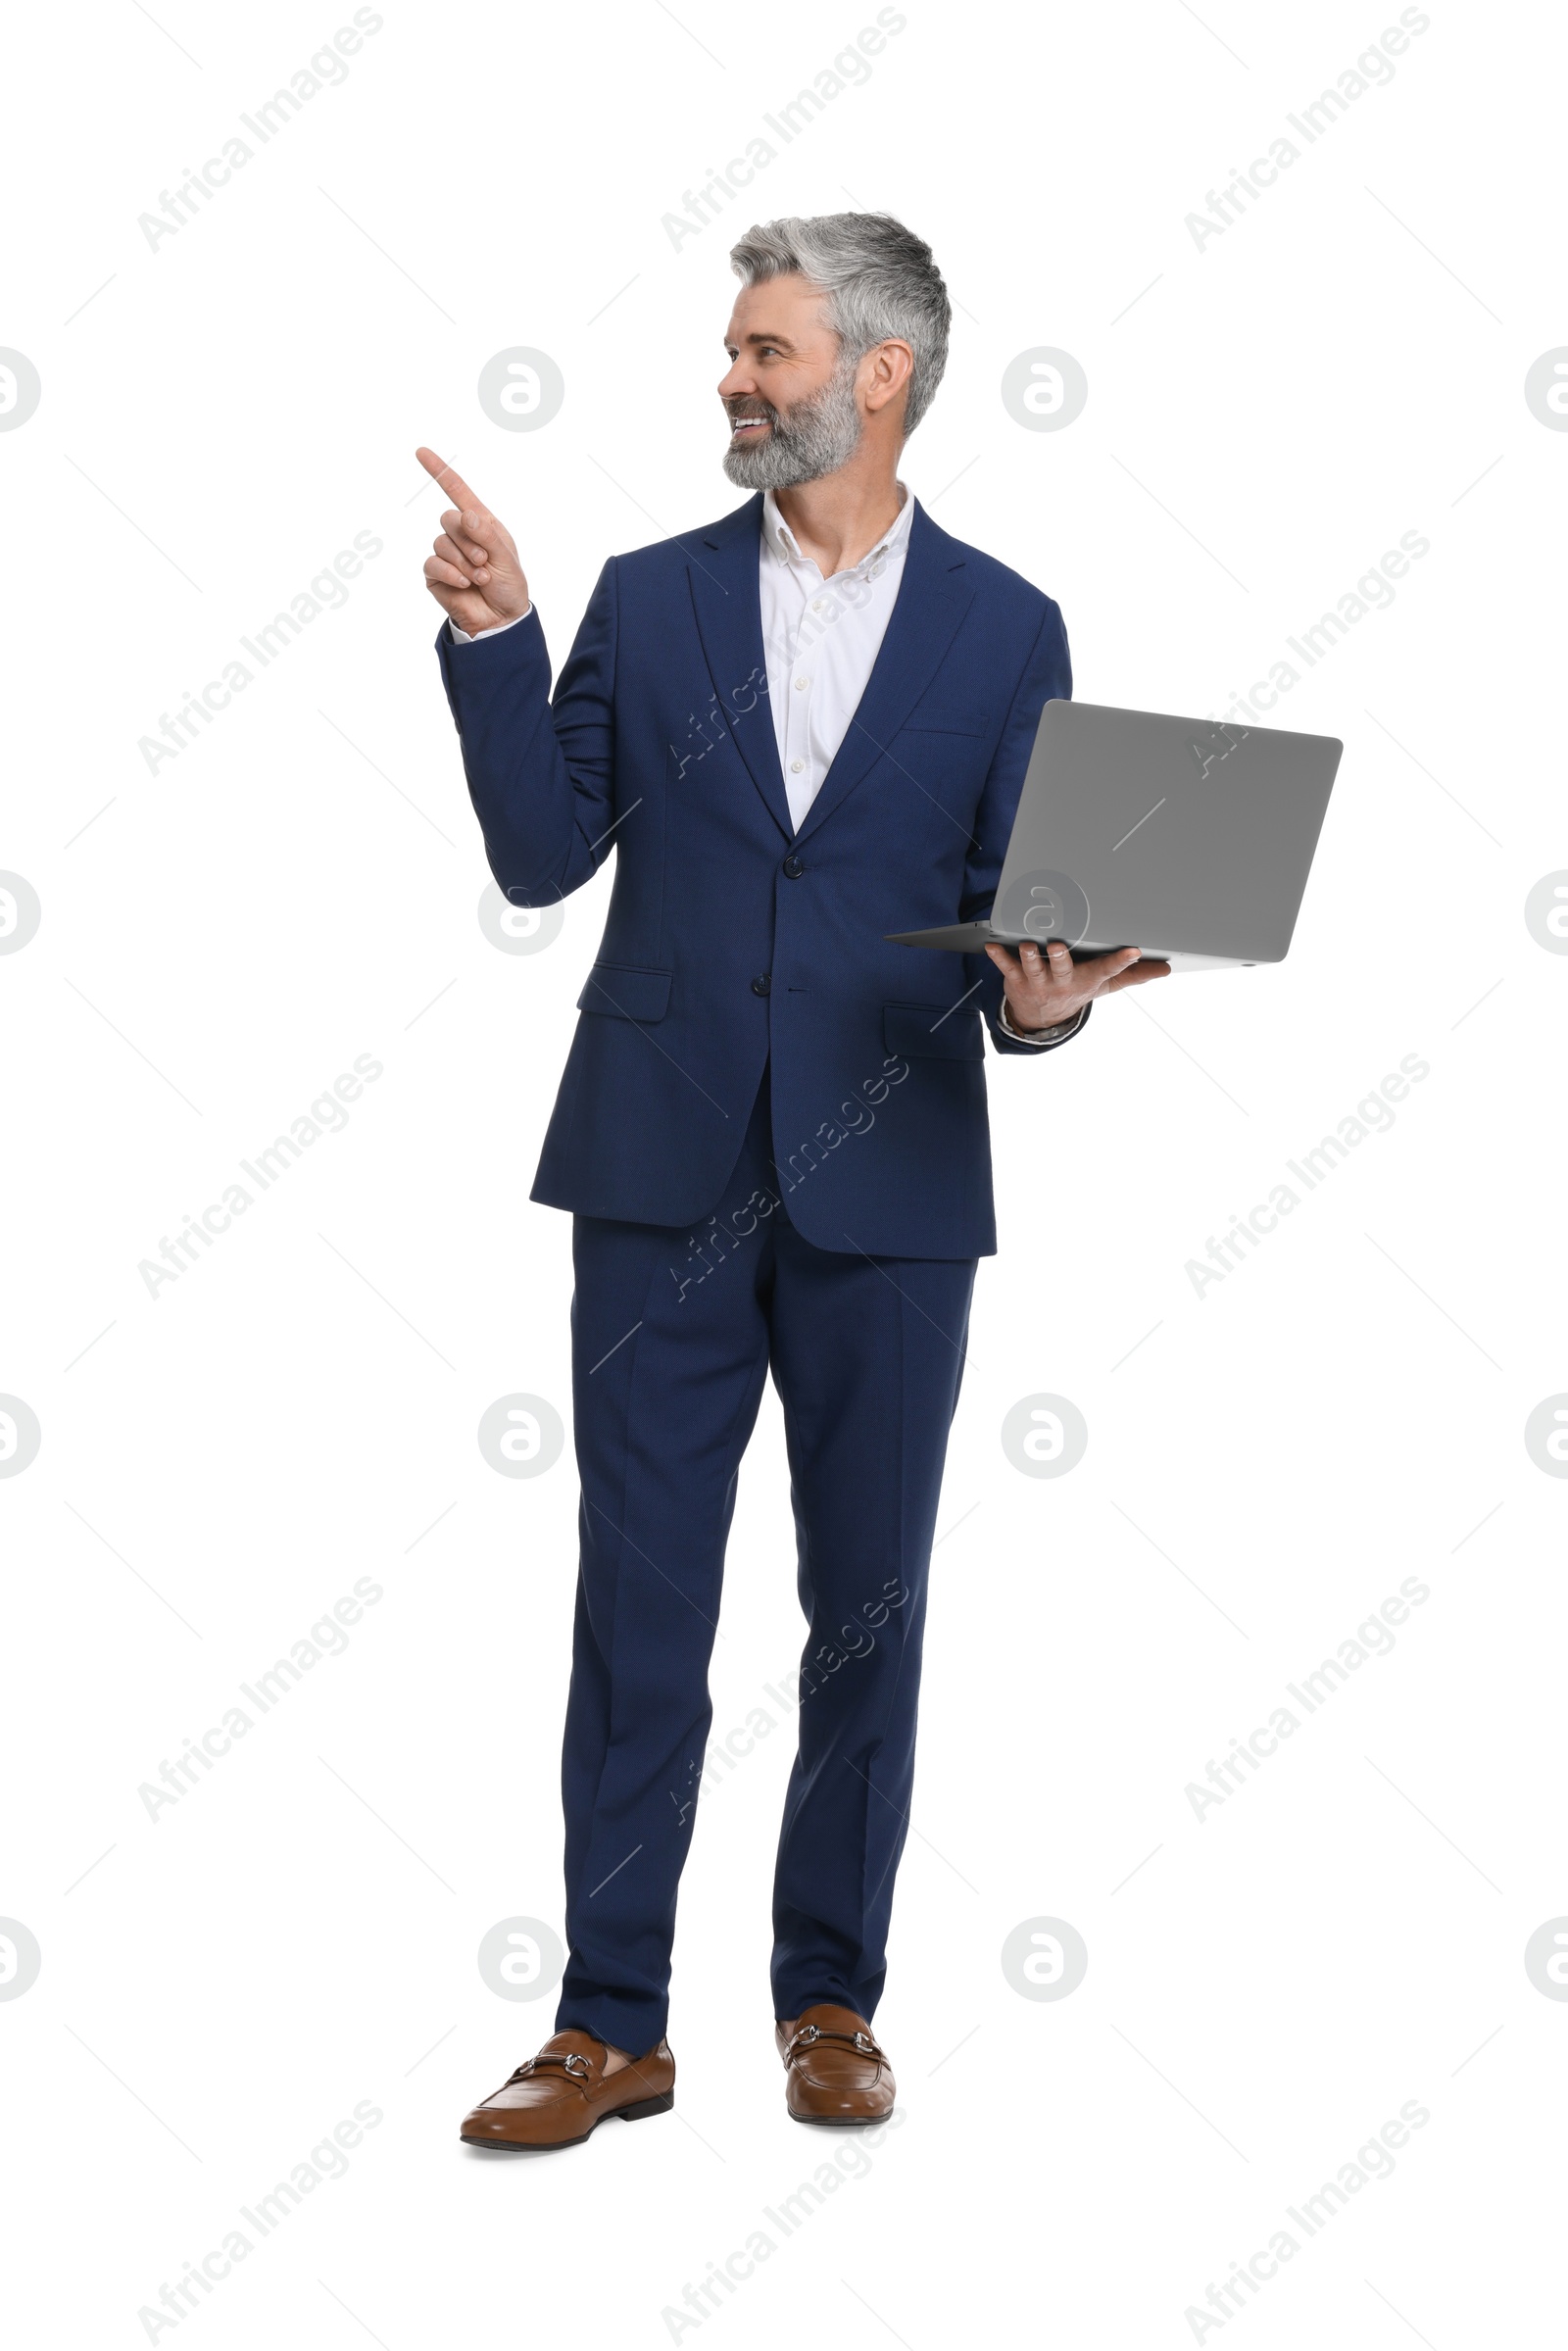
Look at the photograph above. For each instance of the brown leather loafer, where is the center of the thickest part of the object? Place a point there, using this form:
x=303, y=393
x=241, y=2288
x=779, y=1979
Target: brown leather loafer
x=577, y=2081
x=835, y=2072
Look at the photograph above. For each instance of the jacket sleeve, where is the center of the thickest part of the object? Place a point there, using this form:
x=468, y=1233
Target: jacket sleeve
x=541, y=774
x=1047, y=677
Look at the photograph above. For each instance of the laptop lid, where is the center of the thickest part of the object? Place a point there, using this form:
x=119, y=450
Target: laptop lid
x=1175, y=835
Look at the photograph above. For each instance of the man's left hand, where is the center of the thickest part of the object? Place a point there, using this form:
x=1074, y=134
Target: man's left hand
x=1043, y=990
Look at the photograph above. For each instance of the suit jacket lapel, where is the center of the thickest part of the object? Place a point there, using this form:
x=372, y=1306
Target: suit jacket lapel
x=933, y=598
x=723, y=573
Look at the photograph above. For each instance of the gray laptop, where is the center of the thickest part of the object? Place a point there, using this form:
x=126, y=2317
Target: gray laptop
x=1188, y=839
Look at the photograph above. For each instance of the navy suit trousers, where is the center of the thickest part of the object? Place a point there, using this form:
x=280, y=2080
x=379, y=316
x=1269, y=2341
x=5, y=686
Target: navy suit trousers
x=672, y=1337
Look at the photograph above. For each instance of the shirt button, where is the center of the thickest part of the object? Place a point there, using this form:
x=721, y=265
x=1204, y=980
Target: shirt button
x=795, y=766
x=817, y=603
x=799, y=684
x=794, y=869
x=762, y=984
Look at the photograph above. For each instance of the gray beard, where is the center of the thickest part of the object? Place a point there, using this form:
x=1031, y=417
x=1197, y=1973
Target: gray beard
x=816, y=436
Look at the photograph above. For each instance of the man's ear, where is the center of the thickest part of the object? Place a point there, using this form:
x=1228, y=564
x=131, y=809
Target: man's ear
x=892, y=365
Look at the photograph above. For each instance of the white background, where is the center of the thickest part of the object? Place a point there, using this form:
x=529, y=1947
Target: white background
x=1266, y=1462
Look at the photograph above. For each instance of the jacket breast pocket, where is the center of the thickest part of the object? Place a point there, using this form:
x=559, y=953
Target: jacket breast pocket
x=934, y=740
x=625, y=992
x=933, y=1032
x=940, y=715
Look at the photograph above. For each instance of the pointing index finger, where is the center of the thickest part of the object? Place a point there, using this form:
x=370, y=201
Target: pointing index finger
x=452, y=482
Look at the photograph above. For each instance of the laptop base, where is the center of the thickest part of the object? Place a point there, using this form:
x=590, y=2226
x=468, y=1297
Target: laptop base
x=973, y=938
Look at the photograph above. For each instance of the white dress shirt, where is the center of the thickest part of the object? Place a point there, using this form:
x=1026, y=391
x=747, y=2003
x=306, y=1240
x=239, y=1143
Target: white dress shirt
x=820, y=639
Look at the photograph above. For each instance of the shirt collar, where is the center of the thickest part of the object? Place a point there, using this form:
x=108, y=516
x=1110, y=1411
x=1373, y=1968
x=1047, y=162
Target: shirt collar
x=779, y=536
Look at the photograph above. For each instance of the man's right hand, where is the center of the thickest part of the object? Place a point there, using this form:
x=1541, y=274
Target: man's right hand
x=474, y=575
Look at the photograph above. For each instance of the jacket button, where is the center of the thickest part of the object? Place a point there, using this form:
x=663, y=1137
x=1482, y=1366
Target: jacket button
x=762, y=984
x=794, y=869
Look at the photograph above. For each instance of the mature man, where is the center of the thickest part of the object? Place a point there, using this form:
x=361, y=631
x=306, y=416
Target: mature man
x=797, y=729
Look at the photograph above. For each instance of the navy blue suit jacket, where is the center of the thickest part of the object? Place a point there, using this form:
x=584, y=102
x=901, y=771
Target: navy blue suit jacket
x=734, y=941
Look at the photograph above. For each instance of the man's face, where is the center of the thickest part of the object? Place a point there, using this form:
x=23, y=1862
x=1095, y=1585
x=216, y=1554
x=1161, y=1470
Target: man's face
x=789, y=397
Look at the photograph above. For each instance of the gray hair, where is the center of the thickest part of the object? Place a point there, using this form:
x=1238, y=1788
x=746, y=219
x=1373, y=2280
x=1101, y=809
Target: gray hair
x=879, y=279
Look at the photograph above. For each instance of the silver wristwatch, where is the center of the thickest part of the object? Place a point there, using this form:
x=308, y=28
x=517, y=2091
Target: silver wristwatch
x=1053, y=1036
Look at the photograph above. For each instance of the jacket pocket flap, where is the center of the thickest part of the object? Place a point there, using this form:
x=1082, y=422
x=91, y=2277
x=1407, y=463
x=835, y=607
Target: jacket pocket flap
x=933, y=1032
x=627, y=992
x=943, y=723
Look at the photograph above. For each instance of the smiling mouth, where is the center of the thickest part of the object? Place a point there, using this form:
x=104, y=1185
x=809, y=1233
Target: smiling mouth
x=742, y=427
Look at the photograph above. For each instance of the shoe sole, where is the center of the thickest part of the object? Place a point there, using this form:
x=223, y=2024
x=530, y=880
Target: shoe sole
x=840, y=2122
x=522, y=2146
